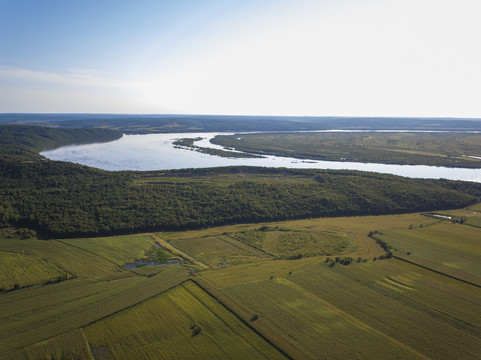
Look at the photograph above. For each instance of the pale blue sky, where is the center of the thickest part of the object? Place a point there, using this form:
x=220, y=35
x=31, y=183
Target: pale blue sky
x=284, y=57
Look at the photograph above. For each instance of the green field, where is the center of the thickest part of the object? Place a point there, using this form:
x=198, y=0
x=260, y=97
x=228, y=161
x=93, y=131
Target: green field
x=183, y=323
x=241, y=282
x=438, y=149
x=118, y=249
x=454, y=249
x=20, y=270
x=218, y=250
x=379, y=309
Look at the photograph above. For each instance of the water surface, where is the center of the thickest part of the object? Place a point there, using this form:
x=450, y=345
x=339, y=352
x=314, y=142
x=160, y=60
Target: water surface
x=156, y=152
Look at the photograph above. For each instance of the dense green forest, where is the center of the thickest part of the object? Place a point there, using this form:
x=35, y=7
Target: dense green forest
x=59, y=199
x=21, y=141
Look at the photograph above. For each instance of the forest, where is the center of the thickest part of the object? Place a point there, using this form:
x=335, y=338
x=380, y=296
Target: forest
x=59, y=199
x=25, y=142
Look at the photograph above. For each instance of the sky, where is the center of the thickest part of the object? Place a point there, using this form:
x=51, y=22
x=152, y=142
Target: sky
x=415, y=58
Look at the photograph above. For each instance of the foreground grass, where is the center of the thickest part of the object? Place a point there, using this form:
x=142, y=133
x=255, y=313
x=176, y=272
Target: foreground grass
x=183, y=323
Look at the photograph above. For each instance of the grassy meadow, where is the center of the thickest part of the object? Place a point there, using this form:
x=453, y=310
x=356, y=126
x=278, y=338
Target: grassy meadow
x=437, y=149
x=280, y=289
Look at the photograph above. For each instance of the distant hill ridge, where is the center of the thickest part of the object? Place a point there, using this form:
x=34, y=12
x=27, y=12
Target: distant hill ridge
x=148, y=123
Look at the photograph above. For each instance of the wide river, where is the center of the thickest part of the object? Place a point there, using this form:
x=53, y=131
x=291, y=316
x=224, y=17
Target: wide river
x=156, y=152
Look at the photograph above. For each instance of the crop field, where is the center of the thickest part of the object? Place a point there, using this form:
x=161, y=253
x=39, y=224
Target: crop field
x=474, y=216
x=308, y=323
x=118, y=249
x=347, y=235
x=22, y=270
x=376, y=310
x=451, y=248
x=412, y=308
x=71, y=345
x=183, y=323
x=218, y=250
x=280, y=289
x=161, y=328
x=77, y=286
x=39, y=313
x=75, y=261
x=305, y=243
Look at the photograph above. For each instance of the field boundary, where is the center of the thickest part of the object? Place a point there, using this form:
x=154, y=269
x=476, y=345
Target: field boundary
x=88, y=251
x=437, y=272
x=220, y=302
x=252, y=246
x=133, y=305
x=178, y=252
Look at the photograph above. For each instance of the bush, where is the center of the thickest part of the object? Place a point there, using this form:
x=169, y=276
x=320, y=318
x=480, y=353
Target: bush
x=196, y=329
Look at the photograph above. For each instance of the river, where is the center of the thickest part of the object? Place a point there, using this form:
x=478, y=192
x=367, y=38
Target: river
x=156, y=152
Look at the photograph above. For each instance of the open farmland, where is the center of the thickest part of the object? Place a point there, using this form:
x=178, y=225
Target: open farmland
x=118, y=249
x=183, y=323
x=20, y=270
x=237, y=282
x=219, y=250
x=448, y=247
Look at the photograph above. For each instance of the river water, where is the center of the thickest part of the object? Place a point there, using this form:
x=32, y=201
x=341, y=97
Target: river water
x=156, y=152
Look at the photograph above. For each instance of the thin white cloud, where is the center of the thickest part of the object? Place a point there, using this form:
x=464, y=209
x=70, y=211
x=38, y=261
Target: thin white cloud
x=74, y=77
x=77, y=90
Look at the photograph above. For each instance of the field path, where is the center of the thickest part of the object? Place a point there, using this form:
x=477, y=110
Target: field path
x=176, y=251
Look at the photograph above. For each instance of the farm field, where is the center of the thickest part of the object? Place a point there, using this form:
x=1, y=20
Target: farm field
x=438, y=149
x=183, y=323
x=19, y=270
x=119, y=249
x=451, y=248
x=281, y=289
